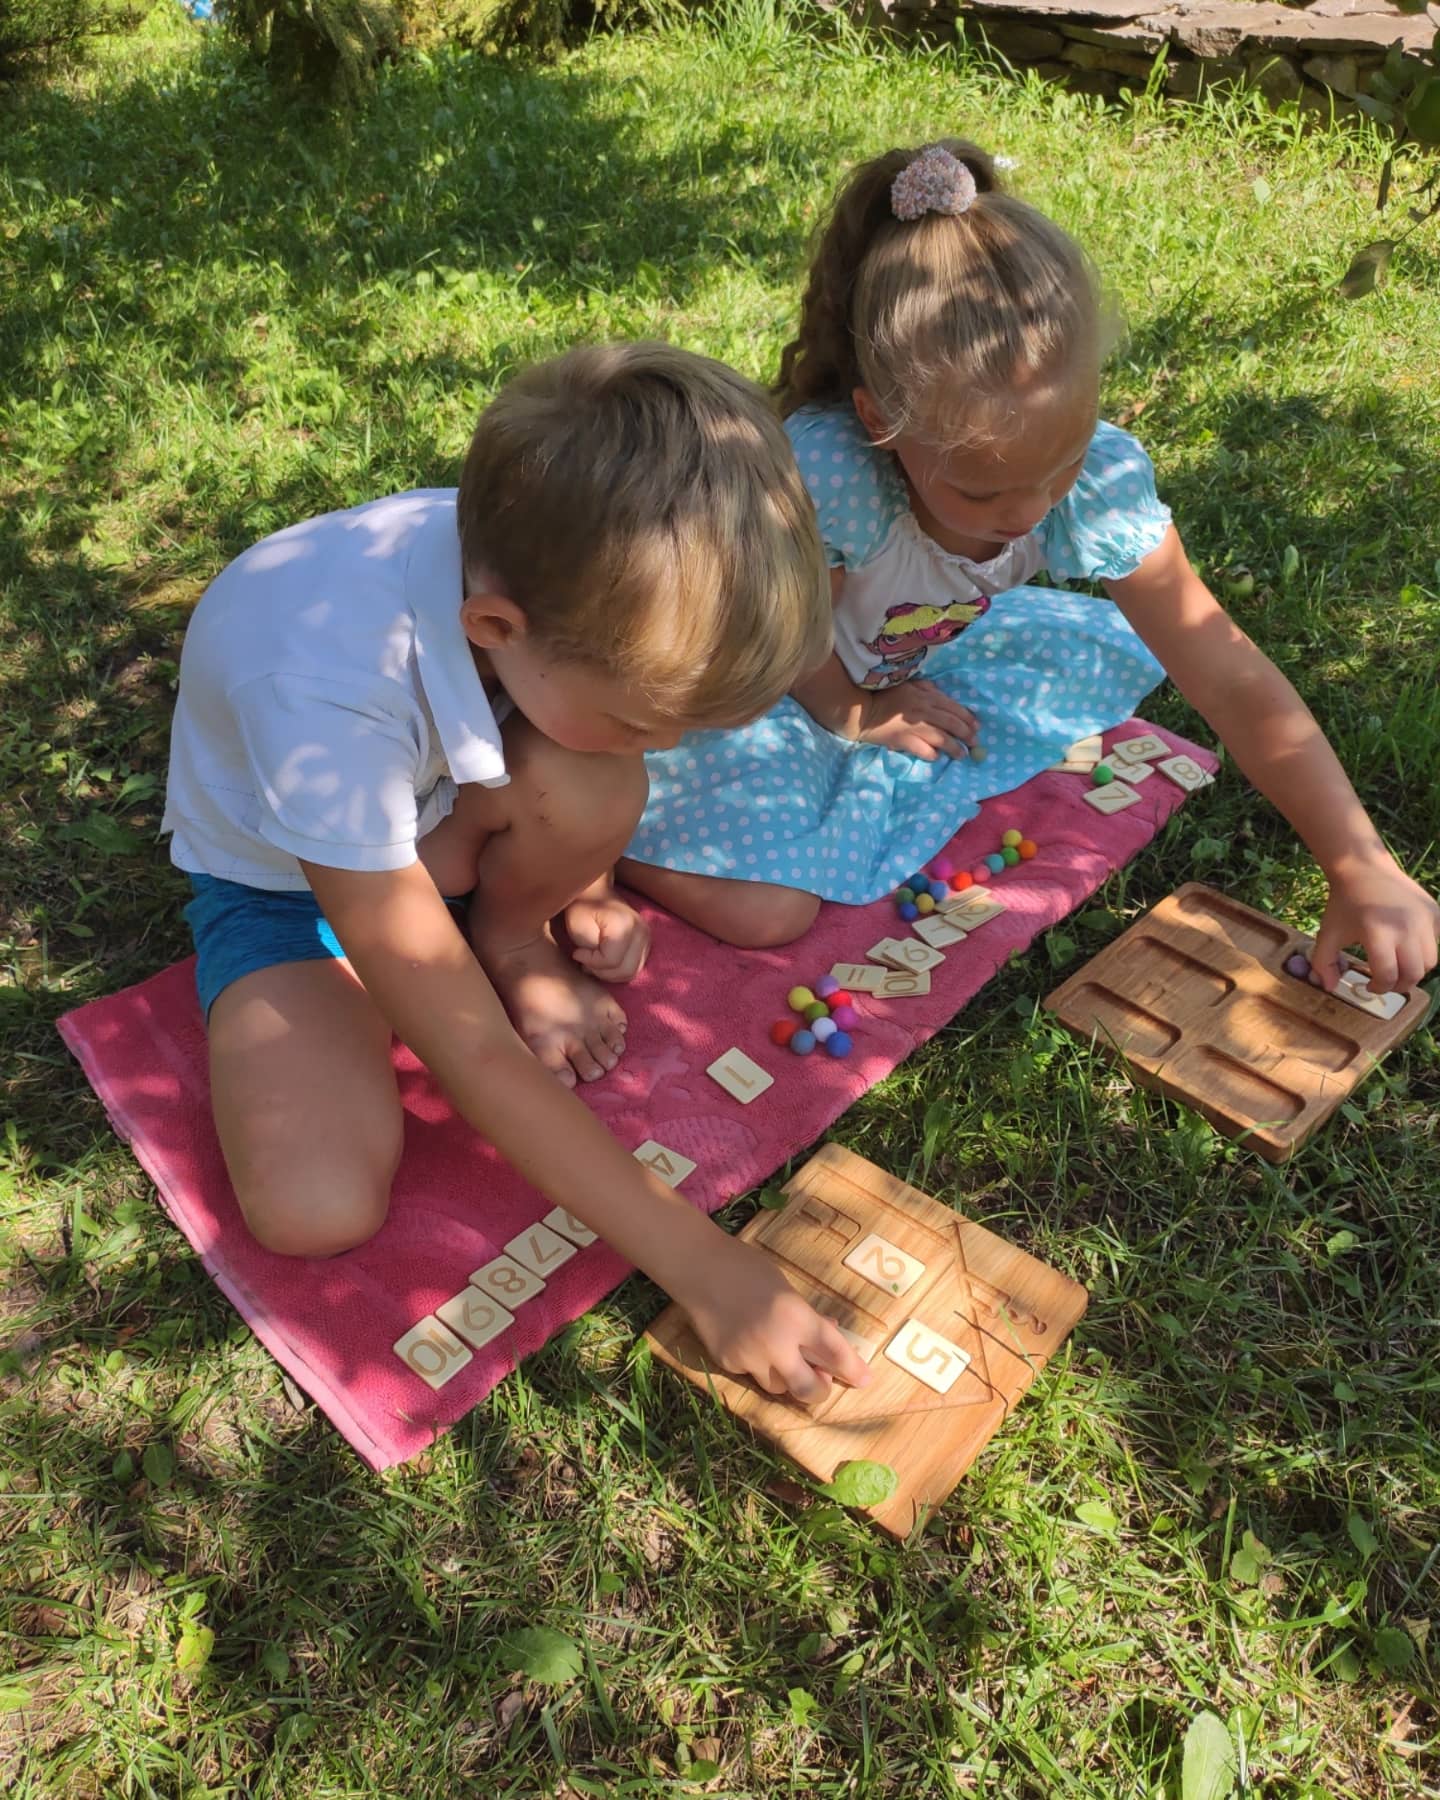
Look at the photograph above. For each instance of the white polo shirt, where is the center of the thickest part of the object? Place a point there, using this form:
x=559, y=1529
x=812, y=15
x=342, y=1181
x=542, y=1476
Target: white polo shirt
x=329, y=702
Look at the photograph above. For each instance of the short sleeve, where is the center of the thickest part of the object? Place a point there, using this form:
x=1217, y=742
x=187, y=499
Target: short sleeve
x=335, y=768
x=854, y=486
x=1111, y=519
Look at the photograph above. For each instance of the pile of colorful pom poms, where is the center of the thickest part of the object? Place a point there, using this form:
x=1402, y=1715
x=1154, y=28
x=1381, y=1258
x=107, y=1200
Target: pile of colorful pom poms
x=922, y=893
x=827, y=1016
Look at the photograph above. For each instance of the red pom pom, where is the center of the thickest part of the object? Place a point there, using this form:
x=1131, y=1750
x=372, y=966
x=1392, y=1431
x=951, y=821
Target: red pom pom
x=783, y=1030
x=1028, y=848
x=838, y=998
x=959, y=882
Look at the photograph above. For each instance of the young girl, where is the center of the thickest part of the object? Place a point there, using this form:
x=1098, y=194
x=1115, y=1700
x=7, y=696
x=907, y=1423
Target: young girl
x=942, y=398
x=448, y=693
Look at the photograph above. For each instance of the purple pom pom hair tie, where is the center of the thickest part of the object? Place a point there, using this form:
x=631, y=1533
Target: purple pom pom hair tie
x=934, y=181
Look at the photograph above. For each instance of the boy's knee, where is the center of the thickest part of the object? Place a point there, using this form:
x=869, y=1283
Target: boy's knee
x=763, y=918
x=589, y=797
x=310, y=1212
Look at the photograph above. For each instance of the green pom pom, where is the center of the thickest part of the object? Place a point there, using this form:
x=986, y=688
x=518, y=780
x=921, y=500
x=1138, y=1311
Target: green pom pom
x=1103, y=775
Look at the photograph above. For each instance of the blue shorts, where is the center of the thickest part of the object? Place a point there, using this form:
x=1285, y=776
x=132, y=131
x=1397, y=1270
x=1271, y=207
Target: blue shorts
x=239, y=929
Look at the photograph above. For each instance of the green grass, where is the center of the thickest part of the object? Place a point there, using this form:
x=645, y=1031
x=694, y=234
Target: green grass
x=223, y=313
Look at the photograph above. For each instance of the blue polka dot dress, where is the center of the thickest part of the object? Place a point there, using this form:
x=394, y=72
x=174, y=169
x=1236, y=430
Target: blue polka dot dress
x=787, y=802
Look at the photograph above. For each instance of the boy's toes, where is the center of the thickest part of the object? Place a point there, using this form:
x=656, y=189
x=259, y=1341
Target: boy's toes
x=586, y=1064
x=553, y=1056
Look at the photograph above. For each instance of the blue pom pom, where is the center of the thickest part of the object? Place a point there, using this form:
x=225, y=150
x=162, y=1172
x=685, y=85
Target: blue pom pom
x=939, y=891
x=803, y=1042
x=908, y=911
x=995, y=864
x=841, y=1044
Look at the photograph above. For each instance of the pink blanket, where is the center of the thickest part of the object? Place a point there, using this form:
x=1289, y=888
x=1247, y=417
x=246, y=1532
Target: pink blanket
x=456, y=1203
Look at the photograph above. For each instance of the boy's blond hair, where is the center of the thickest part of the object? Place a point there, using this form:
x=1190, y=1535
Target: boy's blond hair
x=641, y=505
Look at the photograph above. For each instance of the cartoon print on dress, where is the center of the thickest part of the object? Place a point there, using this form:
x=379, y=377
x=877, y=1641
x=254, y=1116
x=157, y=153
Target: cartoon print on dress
x=909, y=631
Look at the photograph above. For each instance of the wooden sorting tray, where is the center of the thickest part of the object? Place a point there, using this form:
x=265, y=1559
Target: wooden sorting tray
x=1006, y=1310
x=1195, y=999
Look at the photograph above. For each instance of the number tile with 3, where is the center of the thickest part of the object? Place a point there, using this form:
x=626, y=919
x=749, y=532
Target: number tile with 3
x=927, y=1356
x=878, y=1260
x=505, y=1280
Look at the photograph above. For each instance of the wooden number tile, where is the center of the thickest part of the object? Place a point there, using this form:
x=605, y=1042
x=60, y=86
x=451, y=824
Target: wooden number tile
x=1088, y=749
x=975, y=895
x=863, y=1347
x=540, y=1249
x=927, y=1356
x=979, y=912
x=859, y=978
x=1185, y=772
x=1112, y=799
x=878, y=1260
x=906, y=953
x=1355, y=990
x=1141, y=749
x=432, y=1351
x=669, y=1165
x=507, y=1281
x=739, y=1076
x=575, y=1229
x=939, y=932
x=1070, y=765
x=1135, y=772
x=475, y=1316
x=903, y=984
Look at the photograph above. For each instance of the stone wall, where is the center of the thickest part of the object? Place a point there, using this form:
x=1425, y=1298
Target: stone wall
x=1321, y=55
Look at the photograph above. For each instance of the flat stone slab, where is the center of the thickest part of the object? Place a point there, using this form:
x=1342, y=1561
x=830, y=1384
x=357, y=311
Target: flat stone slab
x=1220, y=28
x=1062, y=9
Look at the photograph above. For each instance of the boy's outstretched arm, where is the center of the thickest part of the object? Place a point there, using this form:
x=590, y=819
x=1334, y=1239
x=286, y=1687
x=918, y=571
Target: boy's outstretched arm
x=1276, y=741
x=425, y=981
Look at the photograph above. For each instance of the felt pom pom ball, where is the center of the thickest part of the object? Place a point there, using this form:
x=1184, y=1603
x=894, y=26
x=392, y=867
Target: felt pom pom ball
x=823, y=1029
x=826, y=988
x=836, y=1000
x=995, y=863
x=980, y=872
x=839, y=1045
x=803, y=1042
x=925, y=903
x=942, y=868
x=1102, y=775
x=908, y=911
x=783, y=1030
x=1009, y=857
x=1010, y=841
x=799, y=998
x=1028, y=848
x=978, y=753
x=817, y=1009
x=846, y=1017
x=902, y=894
x=963, y=880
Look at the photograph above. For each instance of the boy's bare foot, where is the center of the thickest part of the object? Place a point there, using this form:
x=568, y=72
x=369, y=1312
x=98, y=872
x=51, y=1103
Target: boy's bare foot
x=608, y=938
x=570, y=1022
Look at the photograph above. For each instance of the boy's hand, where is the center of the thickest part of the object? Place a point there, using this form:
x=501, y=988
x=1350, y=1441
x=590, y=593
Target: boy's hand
x=917, y=717
x=1377, y=905
x=607, y=938
x=754, y=1323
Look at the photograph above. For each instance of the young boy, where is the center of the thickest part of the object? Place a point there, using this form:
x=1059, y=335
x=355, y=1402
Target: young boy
x=448, y=694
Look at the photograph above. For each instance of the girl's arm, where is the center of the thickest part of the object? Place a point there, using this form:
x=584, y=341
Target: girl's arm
x=914, y=716
x=425, y=980
x=1274, y=739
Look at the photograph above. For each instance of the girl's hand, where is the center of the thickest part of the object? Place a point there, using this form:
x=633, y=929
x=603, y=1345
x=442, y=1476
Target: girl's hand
x=1375, y=903
x=915, y=716
x=754, y=1323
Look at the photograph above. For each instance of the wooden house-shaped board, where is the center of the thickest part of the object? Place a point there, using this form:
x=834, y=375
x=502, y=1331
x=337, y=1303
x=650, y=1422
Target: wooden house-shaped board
x=1195, y=999
x=954, y=1322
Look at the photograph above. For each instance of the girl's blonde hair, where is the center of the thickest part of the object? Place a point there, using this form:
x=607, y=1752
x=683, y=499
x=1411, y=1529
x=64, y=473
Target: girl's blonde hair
x=939, y=317
x=641, y=505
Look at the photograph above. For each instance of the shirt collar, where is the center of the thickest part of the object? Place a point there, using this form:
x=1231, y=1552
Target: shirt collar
x=459, y=705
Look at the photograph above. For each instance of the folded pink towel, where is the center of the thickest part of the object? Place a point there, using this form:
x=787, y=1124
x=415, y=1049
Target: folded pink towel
x=332, y=1324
